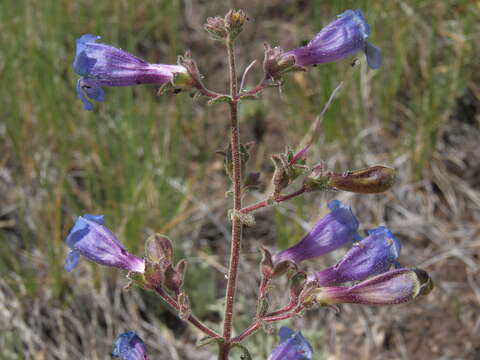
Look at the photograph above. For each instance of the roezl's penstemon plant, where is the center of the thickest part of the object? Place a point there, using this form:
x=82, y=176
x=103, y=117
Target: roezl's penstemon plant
x=363, y=276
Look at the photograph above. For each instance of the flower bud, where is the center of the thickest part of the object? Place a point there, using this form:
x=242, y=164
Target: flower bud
x=316, y=180
x=372, y=180
x=216, y=27
x=234, y=21
x=393, y=287
x=158, y=247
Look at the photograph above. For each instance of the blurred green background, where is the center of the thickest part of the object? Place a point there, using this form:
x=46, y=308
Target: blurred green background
x=148, y=163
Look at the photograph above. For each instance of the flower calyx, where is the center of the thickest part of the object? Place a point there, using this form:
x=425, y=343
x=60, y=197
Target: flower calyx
x=286, y=170
x=159, y=268
x=191, y=79
x=276, y=64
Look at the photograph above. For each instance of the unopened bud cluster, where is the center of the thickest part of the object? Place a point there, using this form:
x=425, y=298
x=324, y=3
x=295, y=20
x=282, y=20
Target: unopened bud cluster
x=229, y=26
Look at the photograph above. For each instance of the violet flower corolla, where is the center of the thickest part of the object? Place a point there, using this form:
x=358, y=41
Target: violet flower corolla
x=104, y=65
x=341, y=38
x=373, y=255
x=293, y=346
x=392, y=287
x=129, y=346
x=89, y=238
x=334, y=230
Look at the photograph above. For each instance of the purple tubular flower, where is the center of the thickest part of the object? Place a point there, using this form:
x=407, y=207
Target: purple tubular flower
x=293, y=346
x=129, y=346
x=373, y=255
x=331, y=232
x=103, y=65
x=339, y=39
x=392, y=287
x=89, y=238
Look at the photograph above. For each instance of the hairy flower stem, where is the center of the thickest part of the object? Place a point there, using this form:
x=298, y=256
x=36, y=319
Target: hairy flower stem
x=267, y=319
x=191, y=319
x=237, y=205
x=266, y=203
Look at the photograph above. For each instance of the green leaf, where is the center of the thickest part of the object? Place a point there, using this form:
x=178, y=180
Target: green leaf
x=220, y=99
x=249, y=97
x=209, y=340
x=245, y=353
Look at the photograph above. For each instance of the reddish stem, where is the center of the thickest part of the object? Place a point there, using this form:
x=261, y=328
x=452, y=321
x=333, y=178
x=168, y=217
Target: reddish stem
x=191, y=319
x=237, y=205
x=265, y=203
x=285, y=309
x=259, y=88
x=267, y=319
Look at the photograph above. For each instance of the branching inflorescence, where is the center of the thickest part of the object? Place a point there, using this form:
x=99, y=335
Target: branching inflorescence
x=363, y=276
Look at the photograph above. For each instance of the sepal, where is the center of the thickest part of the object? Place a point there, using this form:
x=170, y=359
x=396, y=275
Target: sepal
x=266, y=264
x=316, y=180
x=185, y=310
x=154, y=273
x=174, y=276
x=136, y=279
x=275, y=64
x=283, y=267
